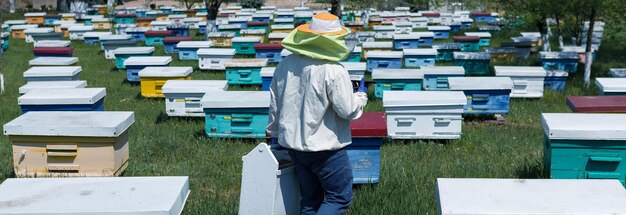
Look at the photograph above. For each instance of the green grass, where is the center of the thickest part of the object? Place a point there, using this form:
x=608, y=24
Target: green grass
x=162, y=145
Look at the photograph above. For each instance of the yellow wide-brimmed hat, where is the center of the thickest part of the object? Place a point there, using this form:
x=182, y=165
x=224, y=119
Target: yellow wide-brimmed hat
x=323, y=23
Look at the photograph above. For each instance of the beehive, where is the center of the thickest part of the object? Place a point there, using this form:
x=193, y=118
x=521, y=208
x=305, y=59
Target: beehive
x=426, y=38
x=441, y=32
x=527, y=81
x=33, y=31
x=368, y=133
x=135, y=64
x=611, y=86
x=396, y=80
x=221, y=39
x=153, y=78
x=77, y=31
x=188, y=50
x=52, y=73
x=244, y=71
x=123, y=53
x=170, y=43
x=475, y=64
x=597, y=104
x=53, y=61
x=236, y=114
x=245, y=45
x=182, y=97
x=271, y=52
x=63, y=99
x=384, y=60
x=214, y=58
x=436, y=78
x=34, y=18
x=485, y=95
x=419, y=58
x=485, y=38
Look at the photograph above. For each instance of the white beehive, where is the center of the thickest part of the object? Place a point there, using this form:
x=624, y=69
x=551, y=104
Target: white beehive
x=214, y=58
x=77, y=31
x=52, y=73
x=29, y=33
x=182, y=97
x=611, y=86
x=527, y=80
x=67, y=96
x=51, y=85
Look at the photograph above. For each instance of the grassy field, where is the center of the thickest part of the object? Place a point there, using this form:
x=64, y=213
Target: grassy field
x=169, y=146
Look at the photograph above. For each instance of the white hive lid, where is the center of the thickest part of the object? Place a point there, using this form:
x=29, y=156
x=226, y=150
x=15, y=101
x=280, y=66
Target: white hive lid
x=62, y=96
x=282, y=26
x=246, y=39
x=423, y=98
x=70, y=123
x=221, y=34
x=438, y=28
x=384, y=54
x=520, y=71
x=303, y=14
x=530, y=34
x=96, y=34
x=267, y=71
x=134, y=50
x=402, y=24
x=558, y=55
x=611, y=84
x=194, y=44
x=160, y=23
x=401, y=74
x=53, y=61
x=51, y=85
x=377, y=45
x=176, y=16
x=52, y=71
x=194, y=86
x=4, y=34
x=236, y=99
x=418, y=19
x=217, y=51
x=471, y=55
x=478, y=34
x=577, y=49
x=357, y=49
x=384, y=28
x=80, y=28
x=68, y=14
x=354, y=66
x=15, y=22
x=38, y=30
x=530, y=196
x=229, y=26
x=443, y=70
x=100, y=19
x=556, y=73
x=166, y=71
x=283, y=20
x=238, y=19
x=584, y=126
x=148, y=61
x=52, y=43
x=96, y=195
x=406, y=37
x=34, y=14
x=23, y=27
x=253, y=31
x=422, y=51
x=480, y=83
x=114, y=37
x=240, y=62
x=277, y=35
x=192, y=19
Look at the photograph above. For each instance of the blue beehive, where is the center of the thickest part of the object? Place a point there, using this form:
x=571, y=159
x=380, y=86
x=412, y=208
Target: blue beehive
x=555, y=80
x=396, y=80
x=241, y=21
x=244, y=71
x=356, y=70
x=156, y=37
x=52, y=73
x=475, y=63
x=384, y=60
x=49, y=19
x=441, y=32
x=78, y=99
x=123, y=53
x=236, y=114
x=188, y=50
x=137, y=34
x=485, y=38
x=267, y=74
x=91, y=38
x=368, y=133
x=484, y=17
x=283, y=21
x=419, y=58
x=169, y=43
x=405, y=41
x=271, y=52
x=166, y=9
x=202, y=28
x=285, y=15
x=302, y=17
x=611, y=86
x=258, y=26
x=355, y=55
x=566, y=61
x=426, y=38
x=125, y=18
x=455, y=27
x=466, y=23
x=179, y=29
x=135, y=64
x=436, y=78
x=468, y=43
x=4, y=36
x=584, y=146
x=485, y=95
x=617, y=72
x=445, y=51
x=140, y=13
x=245, y=45
x=261, y=17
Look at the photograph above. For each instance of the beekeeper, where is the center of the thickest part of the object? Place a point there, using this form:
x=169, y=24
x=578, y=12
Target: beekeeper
x=312, y=104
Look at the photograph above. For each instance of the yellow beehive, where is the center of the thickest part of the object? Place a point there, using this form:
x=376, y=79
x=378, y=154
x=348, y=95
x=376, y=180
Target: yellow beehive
x=102, y=9
x=17, y=31
x=68, y=17
x=153, y=78
x=221, y=39
x=376, y=21
x=34, y=18
x=254, y=33
x=70, y=144
x=145, y=21
x=162, y=17
x=101, y=23
x=276, y=38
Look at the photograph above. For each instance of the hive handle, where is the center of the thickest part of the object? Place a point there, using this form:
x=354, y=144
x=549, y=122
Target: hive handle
x=603, y=175
x=605, y=159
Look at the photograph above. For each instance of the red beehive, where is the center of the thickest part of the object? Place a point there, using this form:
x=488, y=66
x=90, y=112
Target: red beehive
x=120, y=15
x=176, y=39
x=481, y=14
x=430, y=14
x=267, y=46
x=597, y=104
x=371, y=124
x=466, y=38
x=158, y=33
x=257, y=23
x=53, y=51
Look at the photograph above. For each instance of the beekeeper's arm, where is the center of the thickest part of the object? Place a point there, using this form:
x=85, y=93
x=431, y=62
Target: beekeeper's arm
x=345, y=102
x=272, y=126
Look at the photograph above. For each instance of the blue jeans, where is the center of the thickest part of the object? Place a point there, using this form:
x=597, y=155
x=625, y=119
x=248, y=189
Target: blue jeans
x=323, y=174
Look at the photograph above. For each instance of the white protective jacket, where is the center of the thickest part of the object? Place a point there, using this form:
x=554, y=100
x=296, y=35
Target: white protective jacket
x=312, y=103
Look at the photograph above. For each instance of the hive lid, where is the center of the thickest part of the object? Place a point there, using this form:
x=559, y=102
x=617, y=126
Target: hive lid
x=478, y=34
x=377, y=45
x=134, y=50
x=422, y=98
x=556, y=73
x=194, y=44
x=15, y=22
x=148, y=61
x=282, y=27
x=96, y=34
x=194, y=86
x=177, y=16
x=114, y=37
x=531, y=34
x=23, y=27
x=520, y=71
x=70, y=123
x=252, y=31
x=583, y=126
x=401, y=74
x=52, y=71
x=267, y=71
x=100, y=19
x=229, y=27
x=611, y=84
x=418, y=19
x=466, y=38
x=261, y=15
x=246, y=40
x=472, y=55
x=406, y=37
x=480, y=83
x=617, y=72
x=370, y=124
x=216, y=51
x=62, y=96
x=559, y=55
x=236, y=99
x=384, y=28
x=240, y=62
x=51, y=85
x=447, y=46
x=68, y=14
x=283, y=20
x=96, y=195
x=277, y=35
x=384, y=54
x=192, y=19
x=34, y=14
x=166, y=71
x=5, y=35
x=53, y=50
x=425, y=34
x=384, y=35
x=354, y=66
x=158, y=33
x=38, y=30
x=160, y=23
x=52, y=43
x=438, y=28
x=53, y=61
x=598, y=104
x=530, y=196
x=80, y=28
x=357, y=49
x=421, y=51
x=577, y=49
x=521, y=39
x=402, y=24
x=221, y=34
x=443, y=70
x=268, y=46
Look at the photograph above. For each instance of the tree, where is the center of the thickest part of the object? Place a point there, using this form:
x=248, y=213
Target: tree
x=189, y=3
x=251, y=3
